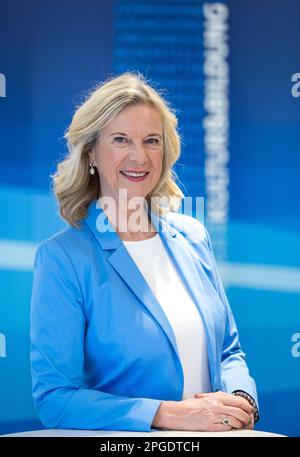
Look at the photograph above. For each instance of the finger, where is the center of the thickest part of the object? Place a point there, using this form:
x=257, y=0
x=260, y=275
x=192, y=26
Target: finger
x=221, y=428
x=208, y=394
x=236, y=401
x=250, y=426
x=238, y=413
x=229, y=400
x=234, y=423
x=200, y=395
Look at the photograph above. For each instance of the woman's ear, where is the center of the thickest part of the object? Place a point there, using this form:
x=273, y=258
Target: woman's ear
x=91, y=156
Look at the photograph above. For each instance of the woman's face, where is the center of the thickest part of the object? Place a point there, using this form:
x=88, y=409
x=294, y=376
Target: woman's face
x=132, y=143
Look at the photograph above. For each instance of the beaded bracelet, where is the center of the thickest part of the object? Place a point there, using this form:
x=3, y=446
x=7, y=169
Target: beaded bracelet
x=248, y=397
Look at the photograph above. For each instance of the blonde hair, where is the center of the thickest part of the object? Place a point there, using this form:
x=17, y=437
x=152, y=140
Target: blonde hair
x=73, y=185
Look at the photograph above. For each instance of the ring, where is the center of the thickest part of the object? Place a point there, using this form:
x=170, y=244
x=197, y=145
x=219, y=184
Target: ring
x=226, y=421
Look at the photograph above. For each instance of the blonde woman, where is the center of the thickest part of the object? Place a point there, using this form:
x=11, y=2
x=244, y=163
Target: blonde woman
x=130, y=325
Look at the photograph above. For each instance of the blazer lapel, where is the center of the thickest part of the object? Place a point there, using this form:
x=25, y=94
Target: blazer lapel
x=123, y=263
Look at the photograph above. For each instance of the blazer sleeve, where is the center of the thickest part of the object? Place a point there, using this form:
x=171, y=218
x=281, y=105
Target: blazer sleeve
x=57, y=329
x=234, y=370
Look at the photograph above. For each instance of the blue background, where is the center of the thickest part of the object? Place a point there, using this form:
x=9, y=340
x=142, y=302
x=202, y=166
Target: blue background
x=51, y=54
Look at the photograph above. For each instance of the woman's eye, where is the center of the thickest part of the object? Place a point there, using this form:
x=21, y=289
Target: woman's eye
x=122, y=140
x=153, y=140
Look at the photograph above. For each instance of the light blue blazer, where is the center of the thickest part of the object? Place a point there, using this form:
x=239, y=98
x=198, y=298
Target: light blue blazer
x=103, y=353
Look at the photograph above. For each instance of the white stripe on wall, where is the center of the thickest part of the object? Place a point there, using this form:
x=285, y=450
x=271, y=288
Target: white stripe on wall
x=258, y=276
x=19, y=256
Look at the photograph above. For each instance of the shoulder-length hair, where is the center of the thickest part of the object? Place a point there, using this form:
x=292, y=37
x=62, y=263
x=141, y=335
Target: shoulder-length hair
x=73, y=185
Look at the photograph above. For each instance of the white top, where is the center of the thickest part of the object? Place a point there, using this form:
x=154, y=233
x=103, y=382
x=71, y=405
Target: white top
x=155, y=264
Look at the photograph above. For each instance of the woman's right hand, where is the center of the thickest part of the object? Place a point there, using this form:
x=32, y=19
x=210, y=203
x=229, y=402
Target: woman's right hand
x=204, y=413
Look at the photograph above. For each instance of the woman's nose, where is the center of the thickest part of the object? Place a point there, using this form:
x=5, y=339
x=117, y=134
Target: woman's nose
x=138, y=154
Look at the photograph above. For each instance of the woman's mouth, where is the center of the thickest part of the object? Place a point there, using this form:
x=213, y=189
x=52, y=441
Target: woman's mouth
x=134, y=175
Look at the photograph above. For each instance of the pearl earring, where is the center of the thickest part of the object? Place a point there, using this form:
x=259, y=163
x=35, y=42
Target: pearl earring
x=92, y=169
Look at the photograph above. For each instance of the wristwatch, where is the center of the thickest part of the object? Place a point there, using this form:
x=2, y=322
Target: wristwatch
x=248, y=397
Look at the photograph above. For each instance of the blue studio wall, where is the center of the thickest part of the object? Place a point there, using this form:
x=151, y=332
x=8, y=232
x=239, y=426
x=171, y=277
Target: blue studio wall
x=53, y=52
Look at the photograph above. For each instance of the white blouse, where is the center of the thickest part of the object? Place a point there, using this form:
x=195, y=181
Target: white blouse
x=154, y=262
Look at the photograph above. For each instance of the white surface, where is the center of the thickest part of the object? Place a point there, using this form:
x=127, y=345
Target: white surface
x=158, y=269
x=156, y=433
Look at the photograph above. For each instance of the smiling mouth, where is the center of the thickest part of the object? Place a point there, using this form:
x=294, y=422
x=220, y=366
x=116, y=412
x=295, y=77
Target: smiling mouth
x=135, y=176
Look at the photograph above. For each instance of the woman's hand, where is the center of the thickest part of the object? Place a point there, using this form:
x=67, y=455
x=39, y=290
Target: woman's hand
x=205, y=412
x=241, y=404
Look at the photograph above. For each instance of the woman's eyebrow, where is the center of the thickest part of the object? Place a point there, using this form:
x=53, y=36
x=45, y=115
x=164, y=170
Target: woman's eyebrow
x=125, y=134
x=118, y=133
x=155, y=134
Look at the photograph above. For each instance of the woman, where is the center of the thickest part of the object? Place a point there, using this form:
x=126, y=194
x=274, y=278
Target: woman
x=130, y=326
